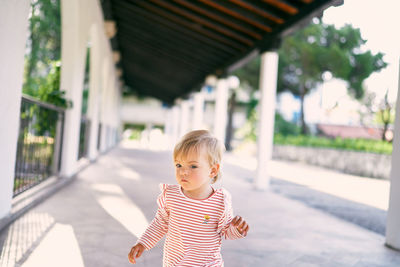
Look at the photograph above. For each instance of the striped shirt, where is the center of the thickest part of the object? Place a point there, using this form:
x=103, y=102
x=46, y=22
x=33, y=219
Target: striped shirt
x=193, y=228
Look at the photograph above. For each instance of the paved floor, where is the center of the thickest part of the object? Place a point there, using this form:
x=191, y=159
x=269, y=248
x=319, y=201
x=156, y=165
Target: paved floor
x=95, y=220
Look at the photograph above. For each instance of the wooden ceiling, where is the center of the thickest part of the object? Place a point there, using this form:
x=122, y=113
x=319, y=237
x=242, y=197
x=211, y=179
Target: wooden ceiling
x=168, y=47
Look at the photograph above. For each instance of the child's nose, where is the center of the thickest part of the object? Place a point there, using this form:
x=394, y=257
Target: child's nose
x=185, y=170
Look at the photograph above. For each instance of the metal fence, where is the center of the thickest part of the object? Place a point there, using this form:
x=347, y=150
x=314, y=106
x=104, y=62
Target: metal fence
x=84, y=137
x=39, y=143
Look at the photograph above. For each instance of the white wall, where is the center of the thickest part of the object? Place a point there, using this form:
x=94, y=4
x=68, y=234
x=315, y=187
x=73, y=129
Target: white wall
x=141, y=112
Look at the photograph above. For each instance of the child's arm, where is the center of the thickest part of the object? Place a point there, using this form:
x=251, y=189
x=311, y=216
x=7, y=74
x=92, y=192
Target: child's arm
x=155, y=231
x=232, y=228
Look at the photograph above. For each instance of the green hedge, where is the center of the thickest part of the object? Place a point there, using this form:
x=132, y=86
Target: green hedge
x=366, y=145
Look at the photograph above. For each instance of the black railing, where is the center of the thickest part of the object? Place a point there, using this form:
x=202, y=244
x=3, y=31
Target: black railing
x=84, y=137
x=39, y=143
x=99, y=136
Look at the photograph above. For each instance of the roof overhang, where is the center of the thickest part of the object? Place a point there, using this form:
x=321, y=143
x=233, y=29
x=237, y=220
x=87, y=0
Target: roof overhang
x=167, y=48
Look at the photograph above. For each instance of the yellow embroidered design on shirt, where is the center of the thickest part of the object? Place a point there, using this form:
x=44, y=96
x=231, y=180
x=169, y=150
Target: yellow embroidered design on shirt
x=206, y=218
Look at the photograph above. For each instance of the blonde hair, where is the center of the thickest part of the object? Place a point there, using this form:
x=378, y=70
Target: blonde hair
x=194, y=141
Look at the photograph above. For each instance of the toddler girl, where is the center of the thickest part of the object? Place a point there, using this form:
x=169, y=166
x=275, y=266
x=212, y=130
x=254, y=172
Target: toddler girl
x=193, y=215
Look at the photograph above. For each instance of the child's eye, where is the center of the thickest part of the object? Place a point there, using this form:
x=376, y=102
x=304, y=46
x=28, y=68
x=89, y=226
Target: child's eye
x=178, y=165
x=193, y=166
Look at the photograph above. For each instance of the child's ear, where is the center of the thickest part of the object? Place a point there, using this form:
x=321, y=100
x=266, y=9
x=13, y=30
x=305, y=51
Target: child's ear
x=214, y=170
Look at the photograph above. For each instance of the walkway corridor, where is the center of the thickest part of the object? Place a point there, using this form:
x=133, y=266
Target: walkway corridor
x=95, y=220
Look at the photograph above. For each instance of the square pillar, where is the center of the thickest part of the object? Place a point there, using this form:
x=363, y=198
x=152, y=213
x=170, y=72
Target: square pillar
x=198, y=111
x=94, y=93
x=268, y=84
x=13, y=32
x=73, y=51
x=168, y=126
x=175, y=124
x=184, y=121
x=221, y=109
x=393, y=216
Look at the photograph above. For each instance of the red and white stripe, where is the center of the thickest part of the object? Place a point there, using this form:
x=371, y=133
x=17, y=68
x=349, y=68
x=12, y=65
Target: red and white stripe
x=193, y=228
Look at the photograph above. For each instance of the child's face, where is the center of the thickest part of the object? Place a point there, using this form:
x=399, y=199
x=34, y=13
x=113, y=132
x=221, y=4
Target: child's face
x=194, y=172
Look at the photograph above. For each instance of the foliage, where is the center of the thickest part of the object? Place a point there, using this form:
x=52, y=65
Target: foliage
x=310, y=52
x=285, y=127
x=377, y=112
x=366, y=145
x=248, y=131
x=42, y=66
x=48, y=90
x=135, y=134
x=44, y=43
x=281, y=127
x=319, y=48
x=250, y=73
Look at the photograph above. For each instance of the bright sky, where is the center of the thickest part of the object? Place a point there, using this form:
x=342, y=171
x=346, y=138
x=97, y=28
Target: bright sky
x=378, y=22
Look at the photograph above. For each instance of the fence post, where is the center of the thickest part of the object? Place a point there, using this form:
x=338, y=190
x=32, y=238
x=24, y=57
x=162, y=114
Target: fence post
x=57, y=145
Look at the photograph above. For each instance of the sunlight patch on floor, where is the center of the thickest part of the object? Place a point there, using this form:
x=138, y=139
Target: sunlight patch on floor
x=128, y=173
x=59, y=248
x=364, y=190
x=117, y=204
x=22, y=235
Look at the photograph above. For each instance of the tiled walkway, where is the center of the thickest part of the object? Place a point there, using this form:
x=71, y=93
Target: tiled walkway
x=94, y=221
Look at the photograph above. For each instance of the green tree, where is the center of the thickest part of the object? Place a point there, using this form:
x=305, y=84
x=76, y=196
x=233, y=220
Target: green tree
x=307, y=54
x=385, y=116
x=42, y=64
x=318, y=48
x=43, y=45
x=378, y=111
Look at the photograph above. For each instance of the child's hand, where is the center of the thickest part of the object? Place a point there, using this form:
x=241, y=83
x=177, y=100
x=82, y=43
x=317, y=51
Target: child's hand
x=241, y=225
x=136, y=252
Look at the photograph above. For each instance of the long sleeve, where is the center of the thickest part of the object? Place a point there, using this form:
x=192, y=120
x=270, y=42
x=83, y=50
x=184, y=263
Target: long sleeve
x=159, y=226
x=224, y=225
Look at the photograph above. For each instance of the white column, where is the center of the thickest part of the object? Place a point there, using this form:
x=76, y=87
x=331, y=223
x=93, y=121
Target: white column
x=94, y=94
x=184, y=122
x=13, y=32
x=198, y=111
x=73, y=51
x=105, y=110
x=268, y=82
x=175, y=125
x=393, y=216
x=168, y=126
x=221, y=109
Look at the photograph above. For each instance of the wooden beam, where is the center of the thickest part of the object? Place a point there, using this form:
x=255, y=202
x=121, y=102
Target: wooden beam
x=156, y=32
x=258, y=11
x=218, y=18
x=155, y=53
x=210, y=25
x=138, y=12
x=172, y=49
x=237, y=15
x=191, y=26
x=283, y=5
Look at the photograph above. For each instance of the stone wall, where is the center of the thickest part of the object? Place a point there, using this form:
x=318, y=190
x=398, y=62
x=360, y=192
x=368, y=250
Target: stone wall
x=351, y=162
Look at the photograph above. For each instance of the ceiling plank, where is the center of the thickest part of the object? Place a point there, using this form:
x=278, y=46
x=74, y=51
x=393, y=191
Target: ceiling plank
x=145, y=28
x=283, y=5
x=157, y=55
x=183, y=55
x=191, y=26
x=207, y=23
x=206, y=41
x=237, y=15
x=219, y=18
x=258, y=11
